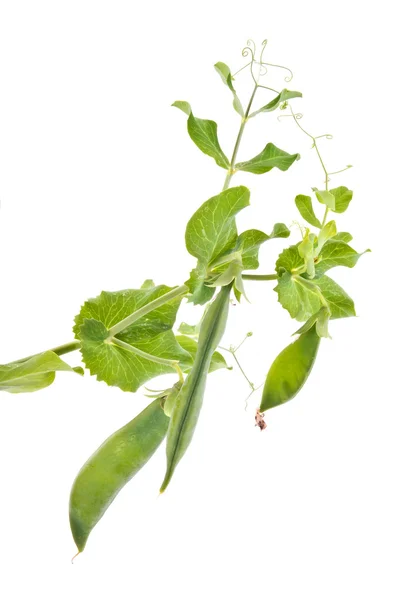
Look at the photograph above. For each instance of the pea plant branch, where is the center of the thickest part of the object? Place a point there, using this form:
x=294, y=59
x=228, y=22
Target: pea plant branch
x=127, y=338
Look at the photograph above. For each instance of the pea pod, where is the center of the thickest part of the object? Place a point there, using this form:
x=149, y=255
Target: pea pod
x=115, y=462
x=290, y=369
x=190, y=399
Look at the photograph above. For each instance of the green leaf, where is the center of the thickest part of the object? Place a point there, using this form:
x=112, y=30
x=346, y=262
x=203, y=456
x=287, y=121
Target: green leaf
x=289, y=259
x=225, y=73
x=305, y=208
x=200, y=293
x=186, y=329
x=342, y=197
x=306, y=251
x=210, y=233
x=279, y=231
x=334, y=254
x=269, y=158
x=249, y=242
x=302, y=303
x=183, y=106
x=32, y=374
x=328, y=231
x=321, y=318
x=325, y=197
x=151, y=335
x=204, y=135
x=190, y=345
x=343, y=236
x=147, y=284
x=275, y=103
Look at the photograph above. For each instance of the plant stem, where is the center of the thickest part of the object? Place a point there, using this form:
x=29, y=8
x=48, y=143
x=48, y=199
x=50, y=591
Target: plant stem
x=59, y=350
x=156, y=359
x=260, y=277
x=325, y=216
x=65, y=348
x=231, y=170
x=242, y=371
x=141, y=312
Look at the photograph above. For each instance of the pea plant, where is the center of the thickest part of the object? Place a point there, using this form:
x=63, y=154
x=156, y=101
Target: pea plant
x=127, y=338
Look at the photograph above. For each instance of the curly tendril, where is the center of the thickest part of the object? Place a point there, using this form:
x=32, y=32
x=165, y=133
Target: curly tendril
x=288, y=77
x=250, y=47
x=263, y=46
x=250, y=50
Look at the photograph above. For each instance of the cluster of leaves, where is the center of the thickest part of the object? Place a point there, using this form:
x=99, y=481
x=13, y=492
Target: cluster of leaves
x=303, y=286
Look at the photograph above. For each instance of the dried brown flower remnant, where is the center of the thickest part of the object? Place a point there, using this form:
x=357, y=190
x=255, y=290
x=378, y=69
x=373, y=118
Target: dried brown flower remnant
x=260, y=420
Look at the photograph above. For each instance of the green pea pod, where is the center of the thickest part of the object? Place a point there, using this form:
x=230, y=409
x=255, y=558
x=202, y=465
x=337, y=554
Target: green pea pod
x=106, y=472
x=290, y=369
x=190, y=399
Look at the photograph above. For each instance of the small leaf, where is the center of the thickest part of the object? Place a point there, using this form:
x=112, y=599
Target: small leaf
x=151, y=334
x=33, y=374
x=306, y=251
x=249, y=242
x=334, y=254
x=225, y=73
x=190, y=345
x=147, y=284
x=269, y=158
x=204, y=135
x=183, y=106
x=284, y=96
x=186, y=329
x=328, y=231
x=325, y=197
x=343, y=236
x=305, y=208
x=279, y=231
x=343, y=198
x=311, y=321
x=210, y=233
x=289, y=259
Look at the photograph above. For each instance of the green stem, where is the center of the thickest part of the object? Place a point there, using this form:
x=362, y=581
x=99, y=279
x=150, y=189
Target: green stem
x=156, y=359
x=315, y=145
x=242, y=371
x=65, y=348
x=231, y=170
x=260, y=277
x=59, y=350
x=325, y=216
x=141, y=312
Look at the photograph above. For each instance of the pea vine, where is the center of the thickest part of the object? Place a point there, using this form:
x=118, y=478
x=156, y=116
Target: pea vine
x=127, y=338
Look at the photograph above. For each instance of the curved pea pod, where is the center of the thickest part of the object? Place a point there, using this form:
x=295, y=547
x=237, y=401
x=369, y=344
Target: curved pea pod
x=115, y=462
x=290, y=369
x=188, y=402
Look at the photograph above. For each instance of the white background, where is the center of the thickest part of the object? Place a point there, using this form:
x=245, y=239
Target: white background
x=97, y=181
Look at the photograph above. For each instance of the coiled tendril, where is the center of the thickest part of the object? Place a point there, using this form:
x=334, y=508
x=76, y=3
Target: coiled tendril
x=327, y=136
x=250, y=50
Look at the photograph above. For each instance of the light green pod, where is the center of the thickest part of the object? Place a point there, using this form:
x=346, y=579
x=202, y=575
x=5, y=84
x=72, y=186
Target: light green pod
x=189, y=401
x=290, y=369
x=115, y=462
